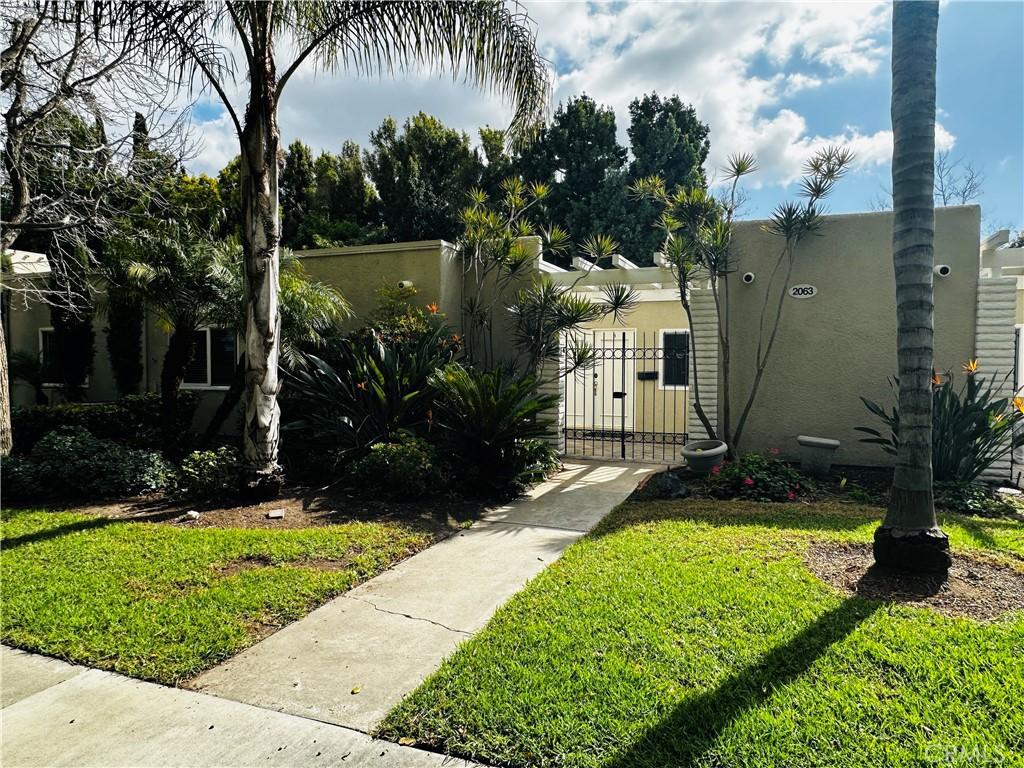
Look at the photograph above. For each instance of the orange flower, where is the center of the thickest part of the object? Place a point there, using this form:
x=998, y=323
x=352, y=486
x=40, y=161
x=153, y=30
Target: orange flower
x=936, y=379
x=432, y=307
x=971, y=367
x=1018, y=403
x=361, y=385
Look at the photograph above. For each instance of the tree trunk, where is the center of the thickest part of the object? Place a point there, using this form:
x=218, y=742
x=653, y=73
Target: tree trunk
x=909, y=537
x=6, y=434
x=180, y=348
x=260, y=144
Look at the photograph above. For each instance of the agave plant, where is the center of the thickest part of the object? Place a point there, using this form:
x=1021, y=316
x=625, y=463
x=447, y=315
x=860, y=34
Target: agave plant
x=490, y=421
x=972, y=427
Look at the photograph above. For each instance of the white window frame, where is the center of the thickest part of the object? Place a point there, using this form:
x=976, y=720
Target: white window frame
x=661, y=362
x=208, y=387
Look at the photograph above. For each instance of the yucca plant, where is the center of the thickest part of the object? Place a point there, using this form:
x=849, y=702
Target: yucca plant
x=490, y=421
x=972, y=427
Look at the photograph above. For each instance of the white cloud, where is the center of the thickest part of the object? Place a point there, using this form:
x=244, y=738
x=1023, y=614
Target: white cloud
x=735, y=62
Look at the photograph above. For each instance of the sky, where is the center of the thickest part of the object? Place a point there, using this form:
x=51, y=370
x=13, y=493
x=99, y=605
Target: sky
x=775, y=79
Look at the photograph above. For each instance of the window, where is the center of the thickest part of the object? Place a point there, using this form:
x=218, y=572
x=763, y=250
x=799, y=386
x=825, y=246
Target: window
x=48, y=358
x=213, y=359
x=675, y=364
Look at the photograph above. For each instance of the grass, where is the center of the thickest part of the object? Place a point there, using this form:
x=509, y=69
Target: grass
x=692, y=633
x=163, y=603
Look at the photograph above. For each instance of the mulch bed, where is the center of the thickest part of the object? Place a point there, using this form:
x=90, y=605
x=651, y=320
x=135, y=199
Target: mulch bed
x=303, y=508
x=975, y=588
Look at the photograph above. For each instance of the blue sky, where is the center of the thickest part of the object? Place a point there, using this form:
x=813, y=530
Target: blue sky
x=775, y=79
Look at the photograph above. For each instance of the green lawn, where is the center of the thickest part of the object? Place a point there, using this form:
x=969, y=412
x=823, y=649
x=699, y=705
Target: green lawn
x=162, y=602
x=692, y=633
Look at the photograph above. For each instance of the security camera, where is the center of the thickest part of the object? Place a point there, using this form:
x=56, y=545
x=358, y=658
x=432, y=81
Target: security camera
x=942, y=270
x=748, y=277
x=405, y=284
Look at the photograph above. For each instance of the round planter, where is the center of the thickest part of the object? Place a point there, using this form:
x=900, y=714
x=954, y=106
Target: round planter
x=704, y=455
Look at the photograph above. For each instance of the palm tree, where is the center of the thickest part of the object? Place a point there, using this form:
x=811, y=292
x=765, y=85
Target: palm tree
x=492, y=45
x=909, y=537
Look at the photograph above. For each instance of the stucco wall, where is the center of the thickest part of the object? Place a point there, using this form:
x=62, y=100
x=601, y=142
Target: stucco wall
x=841, y=344
x=360, y=271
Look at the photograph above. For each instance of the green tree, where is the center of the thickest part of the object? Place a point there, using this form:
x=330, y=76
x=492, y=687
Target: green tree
x=491, y=43
x=298, y=188
x=909, y=536
x=669, y=141
x=580, y=160
x=422, y=176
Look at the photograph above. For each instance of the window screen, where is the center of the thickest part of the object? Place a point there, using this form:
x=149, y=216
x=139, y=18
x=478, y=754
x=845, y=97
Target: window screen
x=197, y=371
x=223, y=354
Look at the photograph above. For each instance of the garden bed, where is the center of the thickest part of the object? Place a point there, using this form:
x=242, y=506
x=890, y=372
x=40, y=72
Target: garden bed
x=694, y=633
x=302, y=507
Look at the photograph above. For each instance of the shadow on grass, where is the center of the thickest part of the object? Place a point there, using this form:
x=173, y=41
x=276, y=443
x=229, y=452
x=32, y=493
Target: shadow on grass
x=692, y=730
x=57, y=531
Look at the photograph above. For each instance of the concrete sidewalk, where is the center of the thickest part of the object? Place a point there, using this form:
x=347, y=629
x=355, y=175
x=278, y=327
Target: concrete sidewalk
x=56, y=715
x=351, y=660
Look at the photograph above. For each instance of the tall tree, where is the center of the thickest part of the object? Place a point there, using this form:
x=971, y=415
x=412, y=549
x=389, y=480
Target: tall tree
x=422, y=175
x=55, y=62
x=298, y=186
x=580, y=156
x=492, y=44
x=909, y=536
x=666, y=140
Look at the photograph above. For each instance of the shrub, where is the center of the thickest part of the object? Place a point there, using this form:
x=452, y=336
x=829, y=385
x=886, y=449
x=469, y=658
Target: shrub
x=133, y=420
x=973, y=499
x=486, y=420
x=971, y=427
x=211, y=474
x=20, y=479
x=405, y=469
x=756, y=477
x=71, y=462
x=372, y=393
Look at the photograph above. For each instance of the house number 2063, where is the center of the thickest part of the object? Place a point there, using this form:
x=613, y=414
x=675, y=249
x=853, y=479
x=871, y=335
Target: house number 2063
x=802, y=291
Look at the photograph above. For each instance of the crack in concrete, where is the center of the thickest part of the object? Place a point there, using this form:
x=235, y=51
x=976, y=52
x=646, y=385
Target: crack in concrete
x=409, y=616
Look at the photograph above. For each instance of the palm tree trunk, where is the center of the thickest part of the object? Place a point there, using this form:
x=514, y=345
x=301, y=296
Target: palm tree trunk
x=909, y=537
x=261, y=235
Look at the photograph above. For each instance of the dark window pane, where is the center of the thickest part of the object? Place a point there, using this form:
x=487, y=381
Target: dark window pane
x=196, y=372
x=223, y=355
x=676, y=348
x=48, y=357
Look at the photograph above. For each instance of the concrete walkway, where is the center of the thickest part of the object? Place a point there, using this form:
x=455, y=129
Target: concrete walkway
x=60, y=715
x=351, y=660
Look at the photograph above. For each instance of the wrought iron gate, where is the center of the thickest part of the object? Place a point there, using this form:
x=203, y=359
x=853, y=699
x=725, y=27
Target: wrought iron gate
x=631, y=403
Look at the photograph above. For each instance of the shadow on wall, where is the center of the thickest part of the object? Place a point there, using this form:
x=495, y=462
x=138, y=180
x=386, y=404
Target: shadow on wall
x=690, y=732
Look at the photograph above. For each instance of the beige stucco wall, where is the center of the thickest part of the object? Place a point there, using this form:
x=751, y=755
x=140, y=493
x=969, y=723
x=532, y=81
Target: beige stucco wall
x=360, y=271
x=841, y=344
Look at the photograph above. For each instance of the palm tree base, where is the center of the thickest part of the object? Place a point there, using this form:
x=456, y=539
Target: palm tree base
x=914, y=551
x=263, y=485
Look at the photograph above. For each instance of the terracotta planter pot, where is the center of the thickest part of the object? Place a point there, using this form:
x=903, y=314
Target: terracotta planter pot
x=704, y=455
